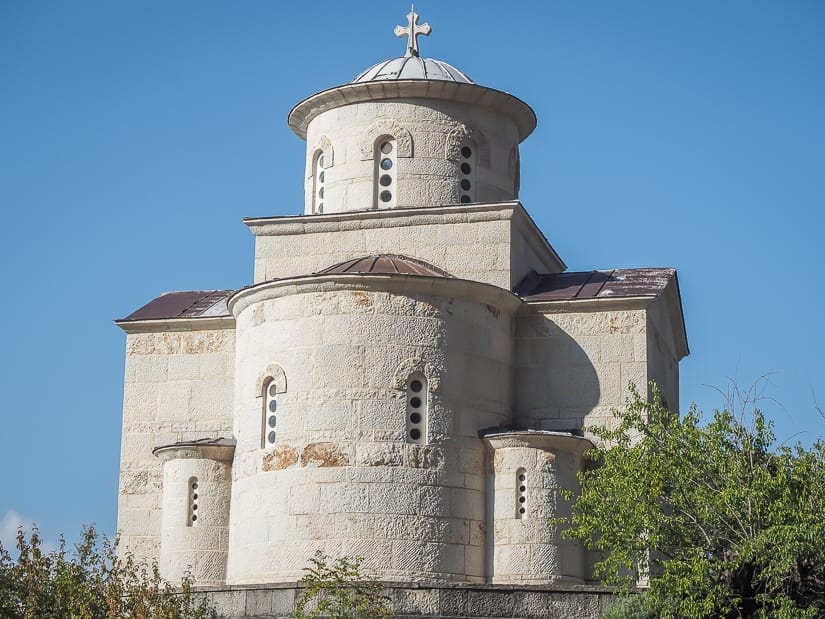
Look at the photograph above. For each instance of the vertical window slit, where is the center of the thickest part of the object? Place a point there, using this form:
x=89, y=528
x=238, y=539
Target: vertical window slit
x=385, y=172
x=417, y=409
x=467, y=163
x=270, y=414
x=192, y=512
x=521, y=493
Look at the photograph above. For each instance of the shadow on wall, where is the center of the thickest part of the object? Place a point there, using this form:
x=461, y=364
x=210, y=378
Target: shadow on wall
x=556, y=382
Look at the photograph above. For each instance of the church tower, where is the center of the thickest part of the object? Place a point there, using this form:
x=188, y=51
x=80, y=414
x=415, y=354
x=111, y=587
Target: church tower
x=410, y=375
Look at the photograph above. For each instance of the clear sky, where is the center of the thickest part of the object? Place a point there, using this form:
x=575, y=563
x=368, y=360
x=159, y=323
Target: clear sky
x=134, y=136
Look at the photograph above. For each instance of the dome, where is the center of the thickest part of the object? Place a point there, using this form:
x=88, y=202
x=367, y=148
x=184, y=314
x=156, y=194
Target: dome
x=412, y=68
x=385, y=264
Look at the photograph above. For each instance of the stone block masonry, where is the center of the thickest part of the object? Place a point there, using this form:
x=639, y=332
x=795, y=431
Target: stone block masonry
x=423, y=601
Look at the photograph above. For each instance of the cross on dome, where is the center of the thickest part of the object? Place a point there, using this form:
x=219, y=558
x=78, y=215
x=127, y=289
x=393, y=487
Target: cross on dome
x=412, y=31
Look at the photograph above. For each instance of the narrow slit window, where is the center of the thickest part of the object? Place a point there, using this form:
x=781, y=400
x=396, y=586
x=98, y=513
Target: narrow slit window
x=521, y=493
x=194, y=500
x=270, y=414
x=386, y=173
x=318, y=183
x=467, y=164
x=417, y=409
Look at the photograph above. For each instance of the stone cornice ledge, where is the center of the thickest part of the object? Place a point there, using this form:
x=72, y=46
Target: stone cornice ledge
x=210, y=323
x=221, y=450
x=367, y=92
x=538, y=439
x=381, y=218
x=372, y=282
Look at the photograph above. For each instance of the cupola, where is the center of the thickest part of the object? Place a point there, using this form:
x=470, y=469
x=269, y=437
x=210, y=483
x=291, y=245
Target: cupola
x=410, y=132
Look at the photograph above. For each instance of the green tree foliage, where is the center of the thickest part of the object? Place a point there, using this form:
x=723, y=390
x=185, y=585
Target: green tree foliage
x=723, y=521
x=91, y=582
x=339, y=591
x=629, y=607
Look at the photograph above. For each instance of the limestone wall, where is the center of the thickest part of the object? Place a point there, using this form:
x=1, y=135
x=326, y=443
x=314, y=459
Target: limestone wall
x=574, y=361
x=494, y=243
x=426, y=156
x=195, y=520
x=428, y=600
x=178, y=386
x=663, y=364
x=526, y=474
x=343, y=476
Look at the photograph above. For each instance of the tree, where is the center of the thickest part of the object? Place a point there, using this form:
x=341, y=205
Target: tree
x=91, y=582
x=339, y=591
x=723, y=521
x=629, y=607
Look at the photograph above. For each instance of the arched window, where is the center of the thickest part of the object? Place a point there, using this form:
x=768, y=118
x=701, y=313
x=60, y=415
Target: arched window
x=417, y=409
x=521, y=493
x=386, y=172
x=270, y=386
x=467, y=165
x=318, y=180
x=270, y=414
x=192, y=512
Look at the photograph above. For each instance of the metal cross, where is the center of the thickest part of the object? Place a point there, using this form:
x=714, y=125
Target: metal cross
x=412, y=32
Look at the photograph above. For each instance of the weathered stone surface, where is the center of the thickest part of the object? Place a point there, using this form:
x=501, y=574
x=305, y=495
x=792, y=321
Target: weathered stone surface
x=279, y=458
x=427, y=601
x=323, y=455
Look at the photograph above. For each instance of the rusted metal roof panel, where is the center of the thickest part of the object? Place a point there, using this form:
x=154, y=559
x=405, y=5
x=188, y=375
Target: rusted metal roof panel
x=186, y=304
x=387, y=264
x=595, y=284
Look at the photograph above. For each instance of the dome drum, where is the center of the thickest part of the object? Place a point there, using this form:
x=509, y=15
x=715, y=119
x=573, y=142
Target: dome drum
x=435, y=155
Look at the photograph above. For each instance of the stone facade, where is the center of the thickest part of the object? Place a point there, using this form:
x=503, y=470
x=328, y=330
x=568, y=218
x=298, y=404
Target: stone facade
x=409, y=379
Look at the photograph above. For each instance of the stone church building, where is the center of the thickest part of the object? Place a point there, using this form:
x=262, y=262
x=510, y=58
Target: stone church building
x=408, y=378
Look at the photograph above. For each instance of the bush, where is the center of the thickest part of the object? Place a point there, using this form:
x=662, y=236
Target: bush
x=630, y=607
x=339, y=591
x=91, y=582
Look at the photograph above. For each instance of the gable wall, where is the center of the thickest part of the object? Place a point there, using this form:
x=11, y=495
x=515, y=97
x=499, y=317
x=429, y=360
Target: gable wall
x=574, y=363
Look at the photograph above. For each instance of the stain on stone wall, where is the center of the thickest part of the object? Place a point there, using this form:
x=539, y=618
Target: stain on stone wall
x=425, y=457
x=362, y=299
x=179, y=342
x=280, y=458
x=323, y=455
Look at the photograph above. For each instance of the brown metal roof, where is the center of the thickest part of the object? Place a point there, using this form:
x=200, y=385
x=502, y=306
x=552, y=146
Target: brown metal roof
x=187, y=304
x=594, y=284
x=386, y=264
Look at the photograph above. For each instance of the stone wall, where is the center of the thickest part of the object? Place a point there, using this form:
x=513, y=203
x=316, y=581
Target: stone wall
x=662, y=358
x=429, y=601
x=343, y=475
x=527, y=472
x=178, y=386
x=496, y=244
x=426, y=155
x=575, y=361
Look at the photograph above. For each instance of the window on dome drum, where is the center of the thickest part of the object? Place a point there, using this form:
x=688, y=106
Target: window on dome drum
x=417, y=409
x=467, y=163
x=318, y=179
x=270, y=414
x=385, y=172
x=192, y=512
x=521, y=493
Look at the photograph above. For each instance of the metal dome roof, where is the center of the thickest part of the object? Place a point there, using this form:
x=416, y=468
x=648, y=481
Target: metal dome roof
x=412, y=68
x=385, y=264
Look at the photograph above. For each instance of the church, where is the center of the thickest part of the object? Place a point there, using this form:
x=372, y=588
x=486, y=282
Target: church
x=410, y=376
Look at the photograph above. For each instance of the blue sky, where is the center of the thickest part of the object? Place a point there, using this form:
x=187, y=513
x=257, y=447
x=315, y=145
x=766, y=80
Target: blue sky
x=134, y=136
